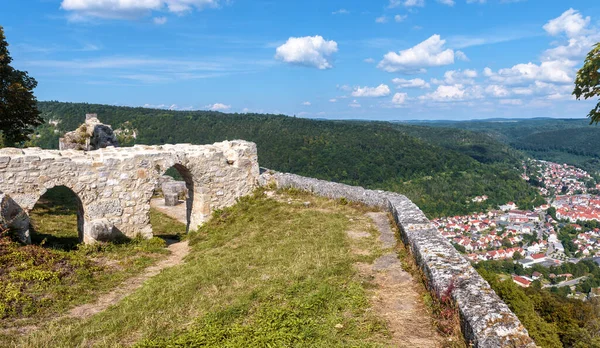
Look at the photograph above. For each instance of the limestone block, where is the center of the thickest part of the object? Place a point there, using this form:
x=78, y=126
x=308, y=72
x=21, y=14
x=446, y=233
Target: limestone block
x=171, y=199
x=14, y=218
x=98, y=230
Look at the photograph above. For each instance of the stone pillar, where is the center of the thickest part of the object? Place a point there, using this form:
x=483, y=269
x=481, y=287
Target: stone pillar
x=14, y=218
x=171, y=199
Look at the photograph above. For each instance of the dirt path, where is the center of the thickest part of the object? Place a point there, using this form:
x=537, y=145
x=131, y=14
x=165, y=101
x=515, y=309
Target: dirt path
x=178, y=252
x=396, y=297
x=178, y=212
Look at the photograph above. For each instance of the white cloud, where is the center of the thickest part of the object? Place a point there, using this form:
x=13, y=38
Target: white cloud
x=511, y=102
x=218, y=107
x=428, y=53
x=310, y=51
x=412, y=83
x=399, y=98
x=333, y=100
x=406, y=3
x=559, y=71
x=460, y=55
x=354, y=104
x=306, y=103
x=476, y=1
x=369, y=60
x=580, y=36
x=382, y=19
x=497, y=91
x=446, y=2
x=159, y=20
x=453, y=77
x=453, y=93
x=399, y=18
x=341, y=11
x=374, y=92
x=120, y=9
x=571, y=22
x=344, y=88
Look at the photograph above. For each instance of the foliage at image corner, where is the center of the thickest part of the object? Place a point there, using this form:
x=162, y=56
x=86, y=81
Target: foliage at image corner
x=18, y=106
x=587, y=83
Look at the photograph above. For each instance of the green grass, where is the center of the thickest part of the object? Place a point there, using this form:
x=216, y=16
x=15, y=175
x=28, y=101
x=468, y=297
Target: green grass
x=46, y=279
x=264, y=273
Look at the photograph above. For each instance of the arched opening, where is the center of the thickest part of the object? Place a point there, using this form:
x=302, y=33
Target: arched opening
x=56, y=220
x=174, y=197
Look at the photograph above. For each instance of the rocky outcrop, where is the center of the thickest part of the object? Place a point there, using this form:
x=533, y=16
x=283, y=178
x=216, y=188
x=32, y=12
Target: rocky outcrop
x=92, y=135
x=486, y=320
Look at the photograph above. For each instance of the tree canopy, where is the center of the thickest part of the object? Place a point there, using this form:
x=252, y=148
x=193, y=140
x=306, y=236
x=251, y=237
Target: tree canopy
x=18, y=106
x=587, y=84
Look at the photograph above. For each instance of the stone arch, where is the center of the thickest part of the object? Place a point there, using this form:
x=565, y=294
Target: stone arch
x=196, y=200
x=77, y=200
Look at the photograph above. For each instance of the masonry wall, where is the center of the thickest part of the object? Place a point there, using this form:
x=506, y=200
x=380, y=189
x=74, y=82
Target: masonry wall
x=115, y=185
x=486, y=320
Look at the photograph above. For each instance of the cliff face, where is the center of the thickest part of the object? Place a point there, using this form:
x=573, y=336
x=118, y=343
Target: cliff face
x=92, y=135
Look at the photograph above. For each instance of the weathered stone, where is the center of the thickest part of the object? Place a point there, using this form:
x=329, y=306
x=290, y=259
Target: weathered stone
x=171, y=199
x=98, y=230
x=13, y=218
x=92, y=135
x=107, y=191
x=486, y=320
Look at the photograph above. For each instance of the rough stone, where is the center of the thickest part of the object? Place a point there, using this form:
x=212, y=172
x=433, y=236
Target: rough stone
x=92, y=135
x=13, y=218
x=122, y=187
x=486, y=320
x=171, y=199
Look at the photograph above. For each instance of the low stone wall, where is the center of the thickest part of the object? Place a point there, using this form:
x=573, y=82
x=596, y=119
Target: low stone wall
x=486, y=320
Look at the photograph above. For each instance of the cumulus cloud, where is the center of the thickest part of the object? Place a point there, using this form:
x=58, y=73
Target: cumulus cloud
x=412, y=83
x=453, y=93
x=446, y=2
x=333, y=100
x=354, y=104
x=309, y=51
x=497, y=91
x=218, y=107
x=119, y=9
x=579, y=35
x=399, y=98
x=511, y=102
x=369, y=60
x=571, y=22
x=373, y=92
x=453, y=77
x=428, y=53
x=306, y=103
x=558, y=71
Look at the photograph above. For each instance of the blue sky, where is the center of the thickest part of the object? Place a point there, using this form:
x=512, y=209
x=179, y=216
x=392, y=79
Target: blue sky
x=353, y=59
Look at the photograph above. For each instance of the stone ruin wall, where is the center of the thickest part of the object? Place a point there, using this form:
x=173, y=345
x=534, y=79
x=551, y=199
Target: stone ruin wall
x=115, y=185
x=485, y=319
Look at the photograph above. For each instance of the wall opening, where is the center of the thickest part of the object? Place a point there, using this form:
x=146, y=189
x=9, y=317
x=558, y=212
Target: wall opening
x=56, y=220
x=172, y=203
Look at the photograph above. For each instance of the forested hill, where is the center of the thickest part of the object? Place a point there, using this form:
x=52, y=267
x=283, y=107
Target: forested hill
x=572, y=141
x=440, y=169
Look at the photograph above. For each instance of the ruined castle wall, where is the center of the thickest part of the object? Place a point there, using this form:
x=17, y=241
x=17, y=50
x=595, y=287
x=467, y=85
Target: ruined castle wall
x=115, y=185
x=486, y=320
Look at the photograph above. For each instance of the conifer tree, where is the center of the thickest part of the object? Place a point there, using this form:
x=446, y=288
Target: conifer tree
x=18, y=106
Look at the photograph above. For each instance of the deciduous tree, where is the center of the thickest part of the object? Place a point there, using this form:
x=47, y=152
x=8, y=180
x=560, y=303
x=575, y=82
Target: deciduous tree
x=587, y=84
x=18, y=106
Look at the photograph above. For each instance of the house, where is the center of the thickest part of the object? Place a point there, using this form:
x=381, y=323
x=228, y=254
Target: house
x=521, y=281
x=536, y=275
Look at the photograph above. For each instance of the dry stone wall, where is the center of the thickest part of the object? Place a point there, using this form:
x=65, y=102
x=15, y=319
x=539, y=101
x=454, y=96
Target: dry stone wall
x=114, y=185
x=486, y=320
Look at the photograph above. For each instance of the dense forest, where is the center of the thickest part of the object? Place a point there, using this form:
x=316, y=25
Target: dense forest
x=440, y=169
x=572, y=141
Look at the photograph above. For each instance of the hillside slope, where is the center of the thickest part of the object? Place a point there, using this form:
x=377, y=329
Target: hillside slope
x=439, y=169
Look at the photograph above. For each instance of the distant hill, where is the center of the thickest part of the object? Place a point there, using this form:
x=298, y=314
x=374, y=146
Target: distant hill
x=440, y=169
x=572, y=141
